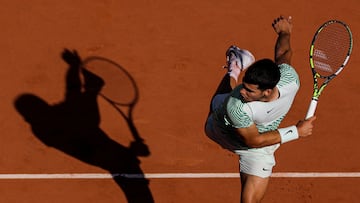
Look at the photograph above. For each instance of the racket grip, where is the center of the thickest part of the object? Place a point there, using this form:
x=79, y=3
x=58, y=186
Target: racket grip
x=312, y=108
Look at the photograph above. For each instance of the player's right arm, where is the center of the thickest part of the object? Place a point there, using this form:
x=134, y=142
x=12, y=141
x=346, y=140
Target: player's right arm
x=254, y=139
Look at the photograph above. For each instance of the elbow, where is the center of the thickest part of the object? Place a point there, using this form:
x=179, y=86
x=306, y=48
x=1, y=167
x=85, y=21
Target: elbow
x=284, y=56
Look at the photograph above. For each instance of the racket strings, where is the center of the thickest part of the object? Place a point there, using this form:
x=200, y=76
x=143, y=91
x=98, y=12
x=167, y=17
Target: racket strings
x=119, y=86
x=331, y=49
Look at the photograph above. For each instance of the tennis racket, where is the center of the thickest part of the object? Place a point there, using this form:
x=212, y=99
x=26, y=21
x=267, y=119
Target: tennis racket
x=330, y=51
x=119, y=89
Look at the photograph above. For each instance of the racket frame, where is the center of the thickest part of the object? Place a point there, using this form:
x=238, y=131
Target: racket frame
x=126, y=113
x=317, y=90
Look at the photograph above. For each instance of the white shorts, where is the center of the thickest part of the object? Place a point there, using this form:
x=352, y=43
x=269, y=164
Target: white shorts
x=254, y=163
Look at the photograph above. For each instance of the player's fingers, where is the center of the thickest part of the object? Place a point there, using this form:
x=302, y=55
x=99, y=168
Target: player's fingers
x=276, y=20
x=311, y=119
x=289, y=19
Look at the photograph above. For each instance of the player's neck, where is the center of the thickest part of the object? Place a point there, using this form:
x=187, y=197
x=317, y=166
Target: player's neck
x=274, y=94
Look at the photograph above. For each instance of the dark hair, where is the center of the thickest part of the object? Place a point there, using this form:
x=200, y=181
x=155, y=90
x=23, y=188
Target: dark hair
x=264, y=73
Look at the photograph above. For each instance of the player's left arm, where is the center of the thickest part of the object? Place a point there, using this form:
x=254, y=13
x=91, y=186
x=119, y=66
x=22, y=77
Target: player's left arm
x=73, y=81
x=283, y=52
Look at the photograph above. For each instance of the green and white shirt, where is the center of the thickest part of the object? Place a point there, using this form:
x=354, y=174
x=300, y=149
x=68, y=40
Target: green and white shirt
x=235, y=113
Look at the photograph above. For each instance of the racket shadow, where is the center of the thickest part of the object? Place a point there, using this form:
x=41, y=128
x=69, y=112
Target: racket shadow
x=120, y=91
x=72, y=126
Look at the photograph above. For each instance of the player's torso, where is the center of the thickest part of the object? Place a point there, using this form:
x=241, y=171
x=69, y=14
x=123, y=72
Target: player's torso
x=268, y=115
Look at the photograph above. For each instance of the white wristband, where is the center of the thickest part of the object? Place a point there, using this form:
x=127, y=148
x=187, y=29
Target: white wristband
x=288, y=134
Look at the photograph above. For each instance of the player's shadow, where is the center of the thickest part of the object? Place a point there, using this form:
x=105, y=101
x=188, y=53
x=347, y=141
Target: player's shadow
x=72, y=126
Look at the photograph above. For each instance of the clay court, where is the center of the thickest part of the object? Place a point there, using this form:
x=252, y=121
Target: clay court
x=174, y=50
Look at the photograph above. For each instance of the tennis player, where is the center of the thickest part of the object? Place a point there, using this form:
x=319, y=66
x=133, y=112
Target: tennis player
x=244, y=118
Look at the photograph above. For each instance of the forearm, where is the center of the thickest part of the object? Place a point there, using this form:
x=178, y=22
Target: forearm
x=73, y=82
x=283, y=135
x=283, y=27
x=265, y=139
x=254, y=139
x=283, y=50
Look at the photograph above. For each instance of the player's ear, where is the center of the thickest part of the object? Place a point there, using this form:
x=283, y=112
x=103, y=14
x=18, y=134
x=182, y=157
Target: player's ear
x=268, y=92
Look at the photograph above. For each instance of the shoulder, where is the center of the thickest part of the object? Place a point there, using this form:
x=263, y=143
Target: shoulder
x=239, y=113
x=288, y=75
x=286, y=67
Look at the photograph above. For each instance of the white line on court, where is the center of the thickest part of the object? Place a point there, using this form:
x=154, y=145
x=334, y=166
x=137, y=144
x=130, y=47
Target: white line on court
x=176, y=175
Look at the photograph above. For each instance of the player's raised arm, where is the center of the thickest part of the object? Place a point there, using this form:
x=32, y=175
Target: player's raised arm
x=283, y=53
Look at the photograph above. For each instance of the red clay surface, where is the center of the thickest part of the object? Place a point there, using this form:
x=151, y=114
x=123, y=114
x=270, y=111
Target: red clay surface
x=174, y=50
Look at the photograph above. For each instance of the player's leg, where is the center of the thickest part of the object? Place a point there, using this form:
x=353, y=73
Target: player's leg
x=255, y=170
x=237, y=60
x=253, y=188
x=223, y=88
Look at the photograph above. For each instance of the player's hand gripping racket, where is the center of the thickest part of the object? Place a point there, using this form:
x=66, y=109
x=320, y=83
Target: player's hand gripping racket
x=329, y=53
x=120, y=90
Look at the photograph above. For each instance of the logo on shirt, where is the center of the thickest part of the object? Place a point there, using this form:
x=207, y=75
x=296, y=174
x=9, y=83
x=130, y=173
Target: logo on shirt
x=269, y=111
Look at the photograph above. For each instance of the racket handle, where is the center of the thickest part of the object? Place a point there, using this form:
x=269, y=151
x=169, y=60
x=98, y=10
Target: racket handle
x=312, y=108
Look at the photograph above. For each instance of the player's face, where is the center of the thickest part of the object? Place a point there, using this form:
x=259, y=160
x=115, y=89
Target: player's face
x=250, y=92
